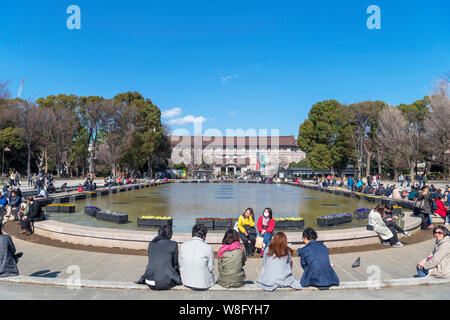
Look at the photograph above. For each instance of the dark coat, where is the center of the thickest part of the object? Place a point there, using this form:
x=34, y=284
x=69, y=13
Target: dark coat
x=8, y=266
x=162, y=264
x=35, y=212
x=428, y=205
x=315, y=262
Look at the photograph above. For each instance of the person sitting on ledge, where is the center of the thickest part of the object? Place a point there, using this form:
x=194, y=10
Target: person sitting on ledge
x=265, y=226
x=247, y=232
x=8, y=256
x=315, y=261
x=35, y=213
x=276, y=271
x=437, y=264
x=231, y=260
x=162, y=272
x=196, y=259
x=389, y=221
x=389, y=236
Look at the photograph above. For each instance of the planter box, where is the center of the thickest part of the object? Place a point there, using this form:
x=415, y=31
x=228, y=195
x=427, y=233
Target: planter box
x=294, y=224
x=123, y=190
x=79, y=196
x=91, y=195
x=322, y=222
x=397, y=211
x=154, y=223
x=223, y=225
x=136, y=187
x=281, y=224
x=67, y=208
x=361, y=215
x=65, y=199
x=129, y=188
x=209, y=223
x=52, y=208
x=91, y=211
x=105, y=216
x=104, y=192
x=386, y=201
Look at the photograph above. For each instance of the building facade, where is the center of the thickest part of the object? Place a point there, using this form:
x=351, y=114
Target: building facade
x=237, y=155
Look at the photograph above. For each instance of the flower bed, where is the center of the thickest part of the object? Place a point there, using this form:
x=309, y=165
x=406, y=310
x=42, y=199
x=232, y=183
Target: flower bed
x=335, y=219
x=361, y=214
x=397, y=211
x=289, y=223
x=111, y=216
x=223, y=224
x=208, y=222
x=91, y=211
x=154, y=222
x=64, y=208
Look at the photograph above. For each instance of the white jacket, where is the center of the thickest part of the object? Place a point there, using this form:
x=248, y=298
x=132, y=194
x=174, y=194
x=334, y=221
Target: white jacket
x=379, y=226
x=196, y=260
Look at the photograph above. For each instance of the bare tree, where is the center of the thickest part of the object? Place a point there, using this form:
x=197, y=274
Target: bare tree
x=28, y=119
x=4, y=97
x=116, y=128
x=437, y=130
x=397, y=140
x=59, y=127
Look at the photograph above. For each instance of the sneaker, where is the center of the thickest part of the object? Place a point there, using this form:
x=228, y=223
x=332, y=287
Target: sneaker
x=398, y=245
x=386, y=243
x=407, y=234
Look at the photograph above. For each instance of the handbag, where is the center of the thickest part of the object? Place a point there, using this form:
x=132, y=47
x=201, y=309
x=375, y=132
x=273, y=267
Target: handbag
x=259, y=242
x=419, y=204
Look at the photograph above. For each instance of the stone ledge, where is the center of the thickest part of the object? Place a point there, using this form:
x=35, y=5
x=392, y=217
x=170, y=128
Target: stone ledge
x=250, y=286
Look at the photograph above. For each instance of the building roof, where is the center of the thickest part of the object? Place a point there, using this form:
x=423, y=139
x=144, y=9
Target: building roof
x=281, y=141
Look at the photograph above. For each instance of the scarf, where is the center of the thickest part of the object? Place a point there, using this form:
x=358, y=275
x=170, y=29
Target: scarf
x=228, y=247
x=265, y=221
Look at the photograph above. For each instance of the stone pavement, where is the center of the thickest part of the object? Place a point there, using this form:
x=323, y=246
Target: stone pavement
x=52, y=262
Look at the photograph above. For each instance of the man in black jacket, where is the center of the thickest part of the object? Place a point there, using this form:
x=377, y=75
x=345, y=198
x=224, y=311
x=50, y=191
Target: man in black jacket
x=35, y=213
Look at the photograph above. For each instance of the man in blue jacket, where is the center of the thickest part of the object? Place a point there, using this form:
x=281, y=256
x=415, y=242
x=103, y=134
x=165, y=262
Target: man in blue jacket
x=315, y=261
x=350, y=183
x=13, y=207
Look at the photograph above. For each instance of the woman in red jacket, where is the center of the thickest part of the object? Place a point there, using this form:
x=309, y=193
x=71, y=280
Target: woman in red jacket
x=265, y=226
x=441, y=209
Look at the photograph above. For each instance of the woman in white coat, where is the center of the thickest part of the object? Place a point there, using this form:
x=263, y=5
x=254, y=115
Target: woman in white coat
x=389, y=237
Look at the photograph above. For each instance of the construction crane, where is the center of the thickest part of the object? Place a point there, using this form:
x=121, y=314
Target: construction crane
x=20, y=88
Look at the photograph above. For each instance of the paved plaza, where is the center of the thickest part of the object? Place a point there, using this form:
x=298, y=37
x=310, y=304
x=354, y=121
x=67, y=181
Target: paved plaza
x=45, y=263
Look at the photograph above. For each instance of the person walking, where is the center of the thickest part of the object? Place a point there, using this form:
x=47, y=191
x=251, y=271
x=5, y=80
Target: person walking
x=231, y=261
x=196, y=259
x=437, y=264
x=17, y=178
x=247, y=232
x=162, y=272
x=276, y=271
x=401, y=179
x=315, y=261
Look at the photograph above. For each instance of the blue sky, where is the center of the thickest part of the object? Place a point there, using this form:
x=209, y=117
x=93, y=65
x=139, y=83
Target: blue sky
x=235, y=64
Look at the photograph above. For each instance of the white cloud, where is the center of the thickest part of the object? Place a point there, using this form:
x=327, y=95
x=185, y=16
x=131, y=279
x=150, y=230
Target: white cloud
x=232, y=113
x=186, y=120
x=175, y=112
x=226, y=78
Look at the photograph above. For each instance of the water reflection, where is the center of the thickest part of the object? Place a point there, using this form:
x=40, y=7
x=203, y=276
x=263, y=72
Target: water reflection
x=185, y=202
